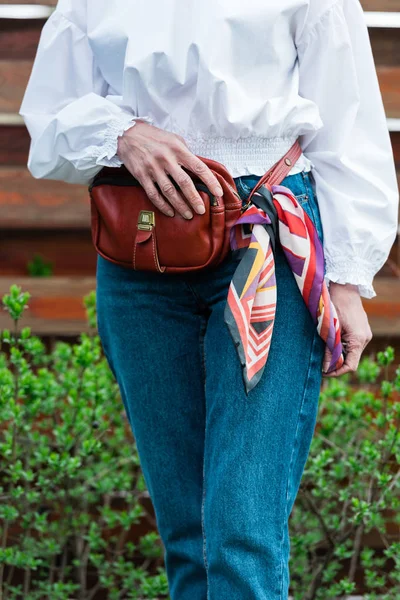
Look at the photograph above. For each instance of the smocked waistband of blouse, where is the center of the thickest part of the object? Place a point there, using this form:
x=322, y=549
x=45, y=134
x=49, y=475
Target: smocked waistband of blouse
x=245, y=155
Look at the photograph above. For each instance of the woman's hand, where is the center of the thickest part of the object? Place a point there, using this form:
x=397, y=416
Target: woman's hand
x=153, y=155
x=356, y=332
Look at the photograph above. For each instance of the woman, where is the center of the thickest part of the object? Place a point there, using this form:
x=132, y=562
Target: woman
x=153, y=85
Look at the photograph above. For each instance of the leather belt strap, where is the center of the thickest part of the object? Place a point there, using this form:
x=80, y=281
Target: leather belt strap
x=279, y=170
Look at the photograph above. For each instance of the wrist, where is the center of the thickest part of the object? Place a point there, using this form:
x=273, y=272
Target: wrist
x=122, y=141
x=120, y=147
x=347, y=286
x=344, y=294
x=122, y=144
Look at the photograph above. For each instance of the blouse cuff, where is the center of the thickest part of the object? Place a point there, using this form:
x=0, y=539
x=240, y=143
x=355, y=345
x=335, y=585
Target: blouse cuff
x=355, y=270
x=106, y=154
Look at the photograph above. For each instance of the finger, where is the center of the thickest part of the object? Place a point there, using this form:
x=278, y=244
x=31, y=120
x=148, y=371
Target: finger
x=342, y=371
x=170, y=192
x=186, y=184
x=155, y=197
x=327, y=360
x=351, y=362
x=368, y=339
x=199, y=168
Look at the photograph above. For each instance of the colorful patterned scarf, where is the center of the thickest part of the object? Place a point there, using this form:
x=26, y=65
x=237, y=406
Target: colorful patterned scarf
x=275, y=213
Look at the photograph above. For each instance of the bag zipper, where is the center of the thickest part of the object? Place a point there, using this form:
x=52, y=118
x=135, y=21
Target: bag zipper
x=132, y=181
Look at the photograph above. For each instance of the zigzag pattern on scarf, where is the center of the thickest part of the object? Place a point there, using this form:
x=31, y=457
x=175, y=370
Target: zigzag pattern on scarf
x=252, y=295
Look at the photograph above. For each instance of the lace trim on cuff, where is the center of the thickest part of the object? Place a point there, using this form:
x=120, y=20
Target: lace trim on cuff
x=106, y=154
x=357, y=271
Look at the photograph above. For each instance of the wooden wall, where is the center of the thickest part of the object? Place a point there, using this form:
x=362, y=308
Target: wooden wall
x=52, y=218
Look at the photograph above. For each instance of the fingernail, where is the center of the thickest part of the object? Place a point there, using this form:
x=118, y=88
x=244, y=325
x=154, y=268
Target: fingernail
x=219, y=191
x=187, y=214
x=170, y=213
x=201, y=209
x=325, y=368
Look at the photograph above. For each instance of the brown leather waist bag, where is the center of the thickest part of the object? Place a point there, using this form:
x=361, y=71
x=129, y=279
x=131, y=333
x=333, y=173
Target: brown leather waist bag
x=128, y=230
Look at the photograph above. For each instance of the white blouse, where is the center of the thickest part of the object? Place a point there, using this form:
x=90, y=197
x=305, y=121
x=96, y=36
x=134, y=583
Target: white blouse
x=240, y=81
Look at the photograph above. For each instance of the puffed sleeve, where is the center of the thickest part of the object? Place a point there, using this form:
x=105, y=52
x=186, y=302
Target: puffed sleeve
x=73, y=127
x=351, y=154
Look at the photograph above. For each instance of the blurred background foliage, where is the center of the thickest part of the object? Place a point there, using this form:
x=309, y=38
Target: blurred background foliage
x=76, y=520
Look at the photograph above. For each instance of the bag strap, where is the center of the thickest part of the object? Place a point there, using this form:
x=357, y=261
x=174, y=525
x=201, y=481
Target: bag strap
x=279, y=170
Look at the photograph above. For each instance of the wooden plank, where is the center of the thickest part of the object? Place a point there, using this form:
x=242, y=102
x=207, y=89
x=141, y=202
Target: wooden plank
x=70, y=252
x=393, y=125
x=368, y=5
x=19, y=38
x=395, y=137
x=376, y=5
x=24, y=11
x=389, y=81
x=26, y=202
x=11, y=119
x=387, y=20
x=381, y=5
x=42, y=2
x=56, y=304
x=14, y=145
x=385, y=46
x=14, y=77
x=384, y=310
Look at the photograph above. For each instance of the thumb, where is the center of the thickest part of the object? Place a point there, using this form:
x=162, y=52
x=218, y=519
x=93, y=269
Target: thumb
x=327, y=360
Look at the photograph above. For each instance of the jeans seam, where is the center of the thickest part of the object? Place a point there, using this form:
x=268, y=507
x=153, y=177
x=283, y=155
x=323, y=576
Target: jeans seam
x=204, y=530
x=311, y=196
x=202, y=306
x=295, y=445
x=203, y=326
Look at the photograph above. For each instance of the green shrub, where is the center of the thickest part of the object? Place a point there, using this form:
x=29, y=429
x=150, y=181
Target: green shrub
x=75, y=517
x=349, y=492
x=40, y=267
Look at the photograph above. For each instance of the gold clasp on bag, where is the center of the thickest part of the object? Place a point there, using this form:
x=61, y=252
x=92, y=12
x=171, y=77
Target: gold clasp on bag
x=146, y=220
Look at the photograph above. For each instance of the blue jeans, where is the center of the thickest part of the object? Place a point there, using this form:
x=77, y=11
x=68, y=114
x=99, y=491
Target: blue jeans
x=222, y=469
